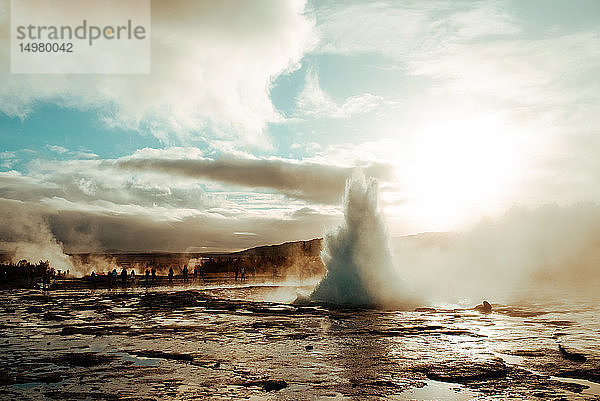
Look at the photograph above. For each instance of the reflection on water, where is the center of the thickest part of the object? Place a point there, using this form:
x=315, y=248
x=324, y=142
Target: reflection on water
x=593, y=389
x=434, y=390
x=230, y=341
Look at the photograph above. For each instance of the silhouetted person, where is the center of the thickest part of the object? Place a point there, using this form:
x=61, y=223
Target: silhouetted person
x=185, y=274
x=153, y=271
x=132, y=277
x=124, y=277
x=114, y=277
x=147, y=277
x=93, y=277
x=46, y=280
x=171, y=275
x=109, y=279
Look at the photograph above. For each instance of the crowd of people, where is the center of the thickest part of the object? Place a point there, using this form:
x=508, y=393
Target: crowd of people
x=26, y=274
x=42, y=275
x=124, y=279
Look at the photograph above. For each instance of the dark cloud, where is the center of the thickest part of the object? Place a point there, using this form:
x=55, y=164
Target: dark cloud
x=84, y=231
x=307, y=181
x=194, y=233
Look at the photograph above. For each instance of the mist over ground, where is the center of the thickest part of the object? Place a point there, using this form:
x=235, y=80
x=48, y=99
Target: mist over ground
x=544, y=248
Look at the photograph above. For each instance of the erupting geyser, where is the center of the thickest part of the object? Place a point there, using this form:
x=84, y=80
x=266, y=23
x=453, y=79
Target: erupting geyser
x=360, y=268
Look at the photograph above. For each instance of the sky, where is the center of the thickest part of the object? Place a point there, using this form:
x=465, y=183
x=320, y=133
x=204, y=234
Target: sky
x=255, y=114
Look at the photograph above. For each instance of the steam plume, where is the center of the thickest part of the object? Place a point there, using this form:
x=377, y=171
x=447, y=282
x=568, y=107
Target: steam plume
x=27, y=236
x=360, y=268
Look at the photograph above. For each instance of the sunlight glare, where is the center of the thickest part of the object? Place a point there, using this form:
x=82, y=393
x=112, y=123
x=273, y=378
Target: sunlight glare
x=461, y=169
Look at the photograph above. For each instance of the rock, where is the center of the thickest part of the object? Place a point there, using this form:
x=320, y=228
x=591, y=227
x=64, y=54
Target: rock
x=34, y=309
x=51, y=316
x=570, y=355
x=47, y=378
x=267, y=384
x=73, y=330
x=383, y=383
x=485, y=307
x=465, y=373
x=309, y=348
x=424, y=309
x=274, y=385
x=164, y=355
x=82, y=359
x=171, y=301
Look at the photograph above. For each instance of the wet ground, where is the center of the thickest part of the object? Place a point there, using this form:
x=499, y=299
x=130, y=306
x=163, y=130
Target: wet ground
x=224, y=341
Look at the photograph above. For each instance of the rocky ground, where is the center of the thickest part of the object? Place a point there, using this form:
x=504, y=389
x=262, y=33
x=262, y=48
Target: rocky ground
x=217, y=342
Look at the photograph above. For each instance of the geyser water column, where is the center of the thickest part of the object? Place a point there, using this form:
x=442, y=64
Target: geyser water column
x=360, y=268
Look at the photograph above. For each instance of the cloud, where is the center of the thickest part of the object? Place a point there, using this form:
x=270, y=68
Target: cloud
x=308, y=181
x=186, y=178
x=480, y=51
x=81, y=229
x=314, y=102
x=88, y=181
x=403, y=30
x=174, y=199
x=7, y=159
x=203, y=83
x=16, y=186
x=57, y=149
x=468, y=48
x=542, y=74
x=65, y=153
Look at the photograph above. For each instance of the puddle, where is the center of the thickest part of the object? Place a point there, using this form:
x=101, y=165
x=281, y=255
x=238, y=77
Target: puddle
x=593, y=388
x=33, y=385
x=137, y=360
x=436, y=390
x=510, y=359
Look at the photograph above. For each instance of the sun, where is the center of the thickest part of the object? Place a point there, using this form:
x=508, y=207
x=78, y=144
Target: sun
x=461, y=169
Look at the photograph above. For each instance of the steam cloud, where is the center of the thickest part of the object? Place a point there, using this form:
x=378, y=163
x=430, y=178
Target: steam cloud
x=523, y=253
x=28, y=236
x=360, y=268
